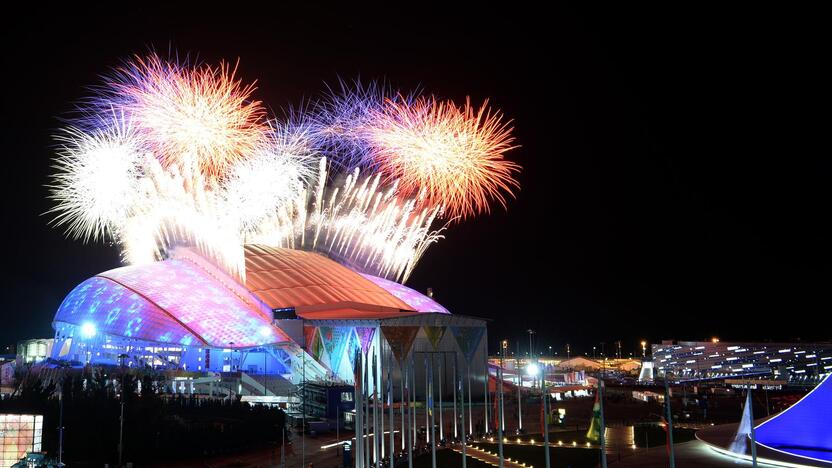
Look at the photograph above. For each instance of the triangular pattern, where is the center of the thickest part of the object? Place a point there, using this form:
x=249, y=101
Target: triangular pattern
x=434, y=334
x=365, y=337
x=468, y=338
x=335, y=341
x=400, y=339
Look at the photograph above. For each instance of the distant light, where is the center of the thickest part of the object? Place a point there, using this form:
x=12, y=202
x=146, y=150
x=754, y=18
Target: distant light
x=714, y=340
x=88, y=330
x=265, y=331
x=532, y=369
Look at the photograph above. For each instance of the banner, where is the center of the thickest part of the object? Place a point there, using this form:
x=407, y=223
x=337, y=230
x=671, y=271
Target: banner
x=468, y=338
x=335, y=341
x=434, y=334
x=365, y=337
x=400, y=340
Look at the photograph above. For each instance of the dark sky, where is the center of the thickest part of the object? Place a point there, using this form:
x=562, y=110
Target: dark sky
x=675, y=178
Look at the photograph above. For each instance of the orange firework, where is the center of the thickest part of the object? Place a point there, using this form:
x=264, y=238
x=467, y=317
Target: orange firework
x=450, y=155
x=201, y=115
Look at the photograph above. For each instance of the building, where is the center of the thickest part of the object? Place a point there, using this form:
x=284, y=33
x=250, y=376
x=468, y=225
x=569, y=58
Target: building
x=33, y=351
x=296, y=317
x=797, y=363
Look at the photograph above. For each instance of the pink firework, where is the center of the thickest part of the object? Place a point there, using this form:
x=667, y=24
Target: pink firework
x=449, y=155
x=201, y=116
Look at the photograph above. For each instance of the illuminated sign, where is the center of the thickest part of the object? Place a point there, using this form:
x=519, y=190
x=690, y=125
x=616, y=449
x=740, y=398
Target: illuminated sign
x=19, y=433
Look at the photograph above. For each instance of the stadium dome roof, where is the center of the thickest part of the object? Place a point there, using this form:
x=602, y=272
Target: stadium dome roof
x=186, y=300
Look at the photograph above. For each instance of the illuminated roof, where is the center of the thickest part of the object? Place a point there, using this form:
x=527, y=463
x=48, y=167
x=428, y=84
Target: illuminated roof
x=186, y=300
x=175, y=301
x=416, y=300
x=310, y=282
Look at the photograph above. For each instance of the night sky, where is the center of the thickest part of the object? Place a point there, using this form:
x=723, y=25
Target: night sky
x=675, y=180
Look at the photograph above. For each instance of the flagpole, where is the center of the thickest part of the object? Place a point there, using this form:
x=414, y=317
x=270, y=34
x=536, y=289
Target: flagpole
x=402, y=387
x=376, y=446
x=545, y=420
x=753, y=438
x=441, y=419
x=519, y=386
x=456, y=435
x=464, y=456
x=431, y=412
x=380, y=399
x=470, y=418
x=413, y=396
x=359, y=429
x=427, y=394
x=392, y=419
x=501, y=415
x=669, y=415
x=603, y=426
x=485, y=419
x=409, y=415
x=366, y=409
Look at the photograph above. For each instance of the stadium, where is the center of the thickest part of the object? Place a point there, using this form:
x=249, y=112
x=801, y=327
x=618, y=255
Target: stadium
x=299, y=316
x=260, y=246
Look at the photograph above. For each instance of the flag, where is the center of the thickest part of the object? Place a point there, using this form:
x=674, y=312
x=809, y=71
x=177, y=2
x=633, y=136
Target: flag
x=594, y=432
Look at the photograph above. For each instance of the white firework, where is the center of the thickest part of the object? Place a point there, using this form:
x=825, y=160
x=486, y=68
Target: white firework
x=96, y=179
x=271, y=179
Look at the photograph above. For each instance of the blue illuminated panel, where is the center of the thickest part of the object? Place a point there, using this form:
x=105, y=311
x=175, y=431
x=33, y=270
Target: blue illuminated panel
x=804, y=429
x=116, y=310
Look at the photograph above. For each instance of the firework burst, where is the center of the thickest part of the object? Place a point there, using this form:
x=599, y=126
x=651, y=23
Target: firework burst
x=202, y=115
x=449, y=155
x=96, y=181
x=272, y=178
x=169, y=155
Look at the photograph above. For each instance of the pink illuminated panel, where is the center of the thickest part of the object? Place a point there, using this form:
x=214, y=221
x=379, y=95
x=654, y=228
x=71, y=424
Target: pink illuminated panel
x=418, y=301
x=200, y=302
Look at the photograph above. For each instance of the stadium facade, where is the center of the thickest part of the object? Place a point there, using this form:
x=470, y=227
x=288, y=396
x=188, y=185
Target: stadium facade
x=298, y=316
x=796, y=363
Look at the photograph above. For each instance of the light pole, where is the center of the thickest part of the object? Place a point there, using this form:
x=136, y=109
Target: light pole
x=568, y=351
x=531, y=348
x=593, y=353
x=643, y=348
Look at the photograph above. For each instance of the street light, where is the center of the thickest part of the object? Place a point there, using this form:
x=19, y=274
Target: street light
x=533, y=369
x=643, y=348
x=714, y=340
